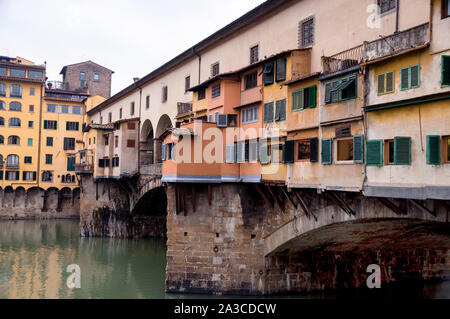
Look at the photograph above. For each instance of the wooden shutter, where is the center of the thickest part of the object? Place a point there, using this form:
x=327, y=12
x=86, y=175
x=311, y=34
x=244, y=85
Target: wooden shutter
x=328, y=93
x=65, y=143
x=288, y=152
x=1, y=175
x=297, y=100
x=314, y=150
x=45, y=124
x=327, y=145
x=253, y=151
x=402, y=150
x=24, y=176
x=240, y=151
x=34, y=176
x=70, y=164
x=335, y=91
x=264, y=154
x=77, y=126
x=163, y=152
x=280, y=113
x=358, y=149
x=415, y=76
x=268, y=112
x=374, y=153
x=445, y=70
x=281, y=70
x=404, y=79
x=433, y=150
x=381, y=88
x=389, y=82
x=67, y=126
x=17, y=176
x=312, y=96
x=268, y=73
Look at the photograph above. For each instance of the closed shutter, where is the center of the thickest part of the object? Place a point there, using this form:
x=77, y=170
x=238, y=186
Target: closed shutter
x=24, y=176
x=358, y=148
x=253, y=151
x=402, y=151
x=381, y=88
x=335, y=91
x=390, y=82
x=404, y=79
x=281, y=106
x=65, y=143
x=230, y=154
x=77, y=126
x=71, y=164
x=17, y=176
x=327, y=151
x=34, y=176
x=45, y=124
x=101, y=162
x=268, y=73
x=163, y=152
x=268, y=112
x=445, y=70
x=281, y=70
x=328, y=93
x=67, y=126
x=312, y=97
x=277, y=111
x=433, y=150
x=84, y=127
x=1, y=175
x=314, y=150
x=288, y=152
x=415, y=76
x=264, y=154
x=374, y=153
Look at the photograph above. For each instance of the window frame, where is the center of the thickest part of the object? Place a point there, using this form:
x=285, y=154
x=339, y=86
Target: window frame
x=297, y=150
x=310, y=21
x=214, y=66
x=389, y=9
x=253, y=82
x=254, y=58
x=409, y=78
x=252, y=110
x=339, y=83
x=336, y=150
x=387, y=152
x=445, y=154
x=442, y=69
x=445, y=9
x=217, y=93
x=98, y=77
x=385, y=83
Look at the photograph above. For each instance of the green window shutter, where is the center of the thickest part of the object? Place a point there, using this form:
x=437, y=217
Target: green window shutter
x=1, y=175
x=268, y=73
x=390, y=82
x=374, y=153
x=71, y=164
x=402, y=150
x=404, y=78
x=314, y=150
x=281, y=70
x=288, y=152
x=328, y=93
x=24, y=176
x=67, y=126
x=445, y=70
x=381, y=88
x=77, y=126
x=327, y=155
x=264, y=155
x=282, y=111
x=312, y=96
x=335, y=93
x=358, y=148
x=84, y=127
x=433, y=150
x=45, y=124
x=277, y=111
x=415, y=76
x=297, y=100
x=34, y=176
x=268, y=112
x=17, y=176
x=65, y=143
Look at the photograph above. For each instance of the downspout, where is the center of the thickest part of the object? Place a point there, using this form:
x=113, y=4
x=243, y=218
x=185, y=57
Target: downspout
x=39, y=143
x=430, y=24
x=139, y=131
x=366, y=76
x=397, y=15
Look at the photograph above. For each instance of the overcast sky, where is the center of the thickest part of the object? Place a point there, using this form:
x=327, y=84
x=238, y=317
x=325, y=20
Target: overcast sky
x=132, y=37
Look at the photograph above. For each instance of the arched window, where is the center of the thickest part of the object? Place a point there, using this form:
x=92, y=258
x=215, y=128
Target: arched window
x=15, y=90
x=2, y=121
x=15, y=106
x=12, y=161
x=2, y=105
x=2, y=89
x=2, y=139
x=14, y=122
x=14, y=140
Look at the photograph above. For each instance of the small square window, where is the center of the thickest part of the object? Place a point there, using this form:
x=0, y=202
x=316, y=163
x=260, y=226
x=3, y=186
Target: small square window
x=28, y=159
x=48, y=159
x=31, y=91
x=30, y=124
x=307, y=32
x=187, y=83
x=215, y=69
x=49, y=141
x=254, y=54
x=304, y=150
x=96, y=77
x=31, y=108
x=345, y=150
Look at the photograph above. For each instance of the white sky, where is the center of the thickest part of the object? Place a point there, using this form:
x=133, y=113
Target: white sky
x=132, y=37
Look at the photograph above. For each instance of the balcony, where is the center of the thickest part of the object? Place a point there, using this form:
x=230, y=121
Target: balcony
x=396, y=43
x=183, y=109
x=343, y=61
x=84, y=168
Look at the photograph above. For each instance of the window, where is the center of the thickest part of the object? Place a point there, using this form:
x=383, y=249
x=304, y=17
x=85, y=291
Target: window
x=72, y=126
x=15, y=90
x=304, y=98
x=30, y=142
x=344, y=150
x=12, y=176
x=232, y=120
x=210, y=118
x=251, y=80
x=30, y=124
x=327, y=155
x=64, y=109
x=68, y=178
x=215, y=91
x=2, y=121
x=201, y=94
x=131, y=126
x=51, y=108
x=410, y=77
x=2, y=105
x=29, y=176
x=147, y=102
x=3, y=71
x=71, y=164
x=254, y=54
x=31, y=91
x=14, y=122
x=2, y=139
x=2, y=89
x=385, y=83
x=389, y=152
x=250, y=115
x=13, y=140
x=50, y=125
x=268, y=73
x=49, y=141
x=96, y=77
x=17, y=73
x=433, y=150
x=47, y=176
x=109, y=117
x=28, y=160
x=445, y=66
x=131, y=143
x=280, y=110
x=35, y=75
x=341, y=90
x=12, y=161
x=386, y=5
x=446, y=148
x=115, y=162
x=306, y=32
x=268, y=112
x=445, y=9
x=304, y=150
x=15, y=106
x=280, y=73
x=187, y=83
x=216, y=117
x=276, y=153
x=69, y=144
x=132, y=108
x=106, y=140
x=48, y=159
x=76, y=109
x=165, y=93
x=215, y=69
x=120, y=113
x=101, y=119
x=116, y=141
x=31, y=108
x=82, y=76
x=402, y=150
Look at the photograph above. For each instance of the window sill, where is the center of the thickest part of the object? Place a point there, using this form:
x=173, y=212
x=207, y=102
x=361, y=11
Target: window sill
x=346, y=163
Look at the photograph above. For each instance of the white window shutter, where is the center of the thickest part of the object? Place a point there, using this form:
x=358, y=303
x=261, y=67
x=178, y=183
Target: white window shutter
x=163, y=152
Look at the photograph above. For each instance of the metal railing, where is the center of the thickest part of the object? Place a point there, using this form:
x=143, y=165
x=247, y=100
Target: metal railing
x=84, y=168
x=343, y=60
x=184, y=108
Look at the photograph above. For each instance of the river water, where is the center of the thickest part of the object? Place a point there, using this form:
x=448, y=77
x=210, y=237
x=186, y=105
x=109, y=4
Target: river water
x=34, y=256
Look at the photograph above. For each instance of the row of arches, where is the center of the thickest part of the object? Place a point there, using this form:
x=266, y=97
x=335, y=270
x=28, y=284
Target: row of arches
x=13, y=106
x=151, y=140
x=12, y=122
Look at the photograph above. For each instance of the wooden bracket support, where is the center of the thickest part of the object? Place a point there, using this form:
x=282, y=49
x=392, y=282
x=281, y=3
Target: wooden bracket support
x=303, y=205
x=397, y=210
x=422, y=207
x=263, y=195
x=275, y=196
x=288, y=197
x=342, y=204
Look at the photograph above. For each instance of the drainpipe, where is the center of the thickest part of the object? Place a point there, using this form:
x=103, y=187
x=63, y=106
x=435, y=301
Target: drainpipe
x=139, y=131
x=199, y=63
x=366, y=78
x=430, y=25
x=397, y=12
x=40, y=130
